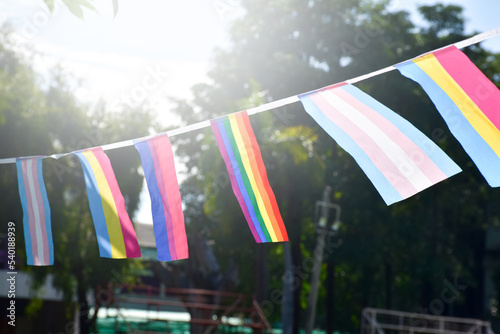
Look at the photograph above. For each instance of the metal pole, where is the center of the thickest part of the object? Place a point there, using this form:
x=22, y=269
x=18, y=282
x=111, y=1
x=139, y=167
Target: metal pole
x=287, y=304
x=318, y=260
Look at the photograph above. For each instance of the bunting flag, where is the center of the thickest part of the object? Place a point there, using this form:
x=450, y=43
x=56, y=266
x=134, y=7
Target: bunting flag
x=115, y=233
x=398, y=159
x=36, y=212
x=468, y=102
x=168, y=220
x=241, y=154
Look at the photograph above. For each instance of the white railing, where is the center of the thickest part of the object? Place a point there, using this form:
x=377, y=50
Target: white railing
x=378, y=321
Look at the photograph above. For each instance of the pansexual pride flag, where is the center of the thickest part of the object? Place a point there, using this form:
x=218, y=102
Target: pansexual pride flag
x=468, y=102
x=398, y=159
x=115, y=233
x=36, y=212
x=241, y=154
x=168, y=220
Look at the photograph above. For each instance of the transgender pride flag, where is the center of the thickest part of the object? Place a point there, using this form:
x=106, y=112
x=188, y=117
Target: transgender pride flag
x=398, y=159
x=36, y=212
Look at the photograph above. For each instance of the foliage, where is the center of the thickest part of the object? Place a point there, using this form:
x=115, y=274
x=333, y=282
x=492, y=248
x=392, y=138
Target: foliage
x=42, y=116
x=391, y=257
x=76, y=6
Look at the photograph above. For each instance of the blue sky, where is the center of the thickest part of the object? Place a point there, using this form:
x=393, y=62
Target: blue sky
x=171, y=38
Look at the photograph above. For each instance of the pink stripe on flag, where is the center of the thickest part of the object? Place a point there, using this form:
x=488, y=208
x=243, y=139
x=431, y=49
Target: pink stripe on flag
x=371, y=149
x=474, y=83
x=128, y=233
x=31, y=215
x=166, y=206
x=167, y=167
x=41, y=212
x=415, y=153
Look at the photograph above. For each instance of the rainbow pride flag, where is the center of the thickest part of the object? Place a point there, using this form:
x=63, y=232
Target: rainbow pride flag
x=115, y=233
x=36, y=212
x=168, y=220
x=241, y=154
x=398, y=159
x=468, y=102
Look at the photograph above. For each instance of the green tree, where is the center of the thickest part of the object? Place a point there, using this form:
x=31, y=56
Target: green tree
x=391, y=257
x=43, y=116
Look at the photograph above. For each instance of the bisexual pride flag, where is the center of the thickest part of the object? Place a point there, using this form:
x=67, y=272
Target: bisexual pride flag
x=36, y=212
x=398, y=159
x=168, y=220
x=115, y=233
x=241, y=154
x=468, y=102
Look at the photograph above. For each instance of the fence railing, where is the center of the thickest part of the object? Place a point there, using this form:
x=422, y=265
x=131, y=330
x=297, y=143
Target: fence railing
x=378, y=321
x=208, y=309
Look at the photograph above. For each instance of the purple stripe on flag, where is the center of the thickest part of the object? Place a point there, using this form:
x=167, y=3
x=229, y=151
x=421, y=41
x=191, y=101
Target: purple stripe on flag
x=161, y=186
x=234, y=182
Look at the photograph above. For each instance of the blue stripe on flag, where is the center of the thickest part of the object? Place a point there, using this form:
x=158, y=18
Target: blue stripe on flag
x=96, y=208
x=157, y=208
x=384, y=187
x=440, y=159
x=24, y=204
x=480, y=152
x=239, y=180
x=46, y=208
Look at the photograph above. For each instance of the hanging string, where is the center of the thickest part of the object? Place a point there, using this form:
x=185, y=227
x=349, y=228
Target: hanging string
x=279, y=103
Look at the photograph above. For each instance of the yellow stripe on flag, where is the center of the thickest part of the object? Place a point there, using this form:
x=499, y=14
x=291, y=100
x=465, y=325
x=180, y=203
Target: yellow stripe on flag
x=251, y=177
x=484, y=127
x=109, y=207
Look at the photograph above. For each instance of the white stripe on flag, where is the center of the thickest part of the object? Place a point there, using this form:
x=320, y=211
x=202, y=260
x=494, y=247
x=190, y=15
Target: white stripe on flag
x=31, y=169
x=393, y=151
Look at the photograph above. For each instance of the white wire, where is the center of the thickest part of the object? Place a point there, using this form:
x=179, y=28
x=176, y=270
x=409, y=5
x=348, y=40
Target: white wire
x=279, y=103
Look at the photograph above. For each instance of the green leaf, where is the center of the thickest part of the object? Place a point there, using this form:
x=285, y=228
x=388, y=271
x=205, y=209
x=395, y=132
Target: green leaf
x=115, y=7
x=88, y=4
x=75, y=6
x=50, y=4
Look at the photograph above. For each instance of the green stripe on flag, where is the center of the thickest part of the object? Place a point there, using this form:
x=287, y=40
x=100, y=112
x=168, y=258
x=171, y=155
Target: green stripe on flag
x=244, y=176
